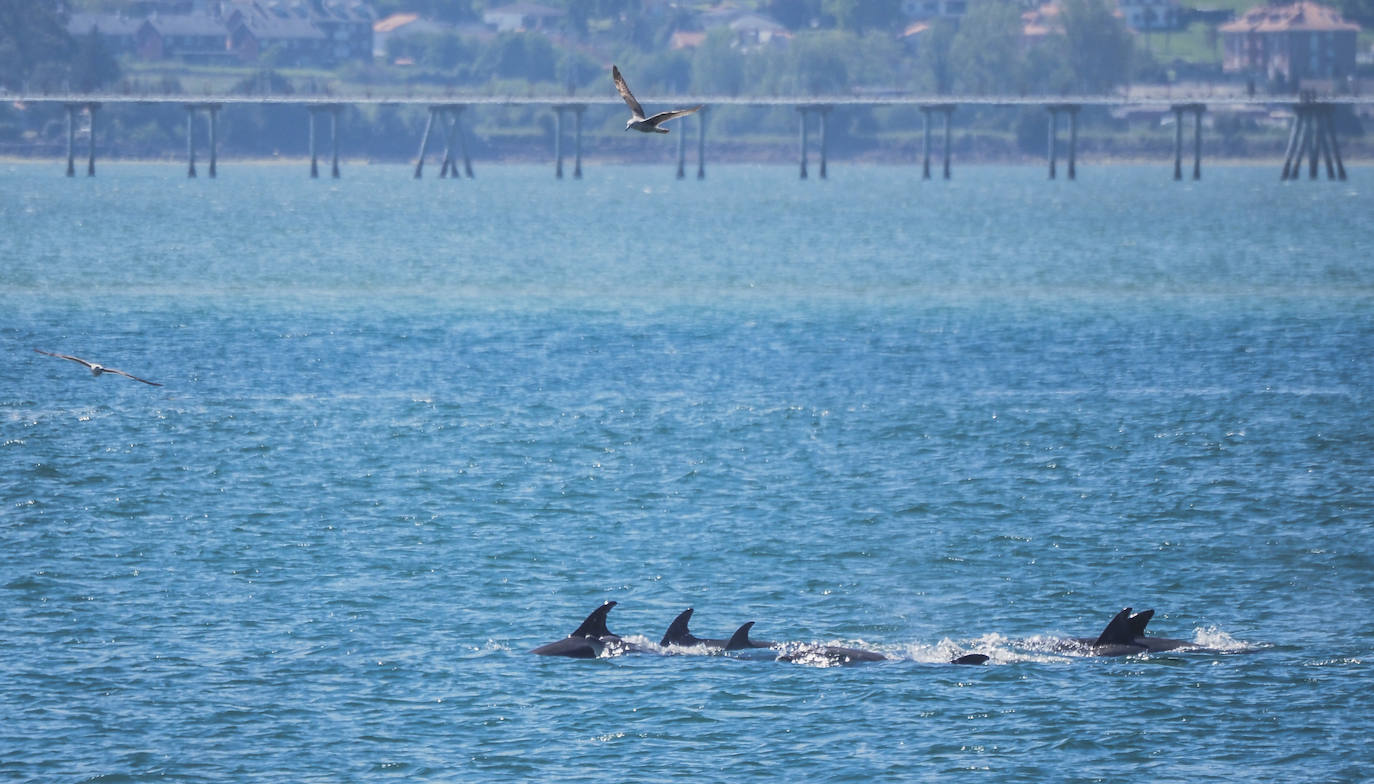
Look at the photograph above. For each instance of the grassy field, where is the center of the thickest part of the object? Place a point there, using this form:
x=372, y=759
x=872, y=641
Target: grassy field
x=1198, y=44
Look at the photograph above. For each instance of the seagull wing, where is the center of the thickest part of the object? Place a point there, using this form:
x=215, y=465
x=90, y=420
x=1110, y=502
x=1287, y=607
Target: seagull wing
x=65, y=356
x=635, y=108
x=663, y=117
x=135, y=378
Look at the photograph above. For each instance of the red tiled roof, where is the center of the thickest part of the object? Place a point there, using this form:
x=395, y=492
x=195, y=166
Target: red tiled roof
x=1041, y=21
x=1301, y=16
x=686, y=40
x=392, y=22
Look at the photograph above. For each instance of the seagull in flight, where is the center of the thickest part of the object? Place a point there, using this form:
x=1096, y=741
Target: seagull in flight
x=637, y=120
x=97, y=369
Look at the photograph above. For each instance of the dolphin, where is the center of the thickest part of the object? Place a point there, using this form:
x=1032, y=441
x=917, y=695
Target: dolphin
x=832, y=654
x=589, y=640
x=679, y=635
x=1125, y=636
x=838, y=654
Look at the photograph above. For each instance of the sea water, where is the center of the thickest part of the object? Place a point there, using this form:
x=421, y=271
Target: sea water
x=409, y=430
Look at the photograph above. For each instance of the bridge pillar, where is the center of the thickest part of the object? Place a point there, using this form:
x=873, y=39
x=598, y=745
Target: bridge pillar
x=463, y=142
x=1073, y=141
x=71, y=139
x=948, y=110
x=803, y=111
x=1054, y=133
x=1178, y=142
x=1326, y=149
x=701, y=143
x=1197, y=141
x=90, y=160
x=1312, y=135
x=824, y=112
x=577, y=141
x=190, y=141
x=1197, y=109
x=1294, y=131
x=681, y=155
x=1313, y=145
x=424, y=142
x=1301, y=134
x=334, y=141
x=314, y=157
x=450, y=127
x=925, y=126
x=214, y=138
x=1327, y=112
x=558, y=143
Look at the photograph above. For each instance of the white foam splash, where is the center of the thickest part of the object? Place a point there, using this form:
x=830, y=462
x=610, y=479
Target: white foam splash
x=1216, y=639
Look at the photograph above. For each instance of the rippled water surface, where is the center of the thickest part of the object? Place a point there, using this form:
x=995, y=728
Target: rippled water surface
x=411, y=430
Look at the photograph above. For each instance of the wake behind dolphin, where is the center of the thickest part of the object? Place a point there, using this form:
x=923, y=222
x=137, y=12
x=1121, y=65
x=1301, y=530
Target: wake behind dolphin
x=592, y=639
x=589, y=640
x=1125, y=636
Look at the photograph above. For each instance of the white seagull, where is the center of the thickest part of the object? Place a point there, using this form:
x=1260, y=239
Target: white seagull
x=637, y=120
x=97, y=369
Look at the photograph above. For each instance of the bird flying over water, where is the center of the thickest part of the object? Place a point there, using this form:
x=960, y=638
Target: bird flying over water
x=637, y=119
x=97, y=369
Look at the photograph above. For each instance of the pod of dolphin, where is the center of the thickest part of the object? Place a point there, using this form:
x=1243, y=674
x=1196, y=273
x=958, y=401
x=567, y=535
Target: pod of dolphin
x=1124, y=636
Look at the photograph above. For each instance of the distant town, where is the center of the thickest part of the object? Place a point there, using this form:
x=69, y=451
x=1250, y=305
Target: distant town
x=777, y=48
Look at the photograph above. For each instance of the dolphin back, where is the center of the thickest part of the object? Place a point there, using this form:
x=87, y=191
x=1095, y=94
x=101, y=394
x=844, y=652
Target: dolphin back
x=1139, y=621
x=740, y=639
x=595, y=624
x=677, y=633
x=1118, y=632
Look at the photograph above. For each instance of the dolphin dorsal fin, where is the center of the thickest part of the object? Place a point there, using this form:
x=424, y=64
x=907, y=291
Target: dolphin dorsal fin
x=1139, y=620
x=677, y=633
x=740, y=639
x=595, y=625
x=1118, y=632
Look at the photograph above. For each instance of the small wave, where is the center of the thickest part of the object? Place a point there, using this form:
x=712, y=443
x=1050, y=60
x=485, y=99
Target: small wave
x=1218, y=640
x=1337, y=662
x=1040, y=649
x=945, y=651
x=486, y=648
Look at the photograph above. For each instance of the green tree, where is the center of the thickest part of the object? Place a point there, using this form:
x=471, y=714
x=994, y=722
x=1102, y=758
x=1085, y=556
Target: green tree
x=986, y=52
x=1047, y=69
x=445, y=51
x=935, y=58
x=815, y=62
x=1099, y=45
x=93, y=67
x=859, y=15
x=1361, y=11
x=793, y=14
x=717, y=66
x=33, y=40
x=528, y=56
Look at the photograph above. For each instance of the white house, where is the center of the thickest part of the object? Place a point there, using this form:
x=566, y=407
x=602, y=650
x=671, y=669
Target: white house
x=1150, y=14
x=933, y=9
x=523, y=16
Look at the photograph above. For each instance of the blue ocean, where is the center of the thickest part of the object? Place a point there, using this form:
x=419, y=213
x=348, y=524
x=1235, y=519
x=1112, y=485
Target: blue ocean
x=410, y=430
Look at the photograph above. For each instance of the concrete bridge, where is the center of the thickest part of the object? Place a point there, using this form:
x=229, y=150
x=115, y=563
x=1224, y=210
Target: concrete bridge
x=1311, y=134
